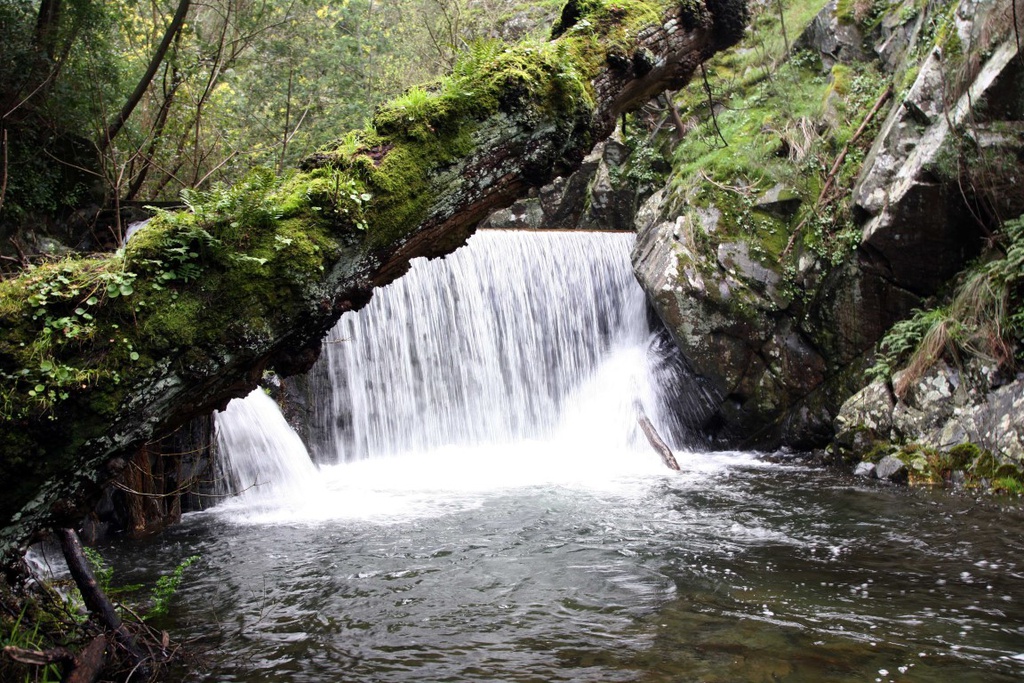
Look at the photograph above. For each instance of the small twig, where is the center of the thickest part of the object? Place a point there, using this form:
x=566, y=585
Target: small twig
x=3, y=178
x=711, y=104
x=830, y=179
x=1016, y=29
x=39, y=657
x=743, y=192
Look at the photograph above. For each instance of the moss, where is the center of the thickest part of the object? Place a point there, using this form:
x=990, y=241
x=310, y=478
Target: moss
x=878, y=451
x=1010, y=485
x=960, y=457
x=864, y=14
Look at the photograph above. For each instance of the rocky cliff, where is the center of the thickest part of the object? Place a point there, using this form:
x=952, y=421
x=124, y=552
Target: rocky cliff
x=843, y=177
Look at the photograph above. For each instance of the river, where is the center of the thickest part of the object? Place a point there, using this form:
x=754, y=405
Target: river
x=475, y=502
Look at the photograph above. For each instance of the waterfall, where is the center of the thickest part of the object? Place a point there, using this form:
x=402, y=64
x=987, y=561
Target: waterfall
x=261, y=455
x=522, y=355
x=492, y=345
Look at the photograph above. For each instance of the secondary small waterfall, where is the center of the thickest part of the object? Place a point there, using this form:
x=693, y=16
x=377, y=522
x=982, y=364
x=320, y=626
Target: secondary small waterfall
x=538, y=338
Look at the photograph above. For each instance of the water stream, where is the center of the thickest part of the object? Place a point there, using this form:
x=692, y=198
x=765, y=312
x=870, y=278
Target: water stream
x=482, y=507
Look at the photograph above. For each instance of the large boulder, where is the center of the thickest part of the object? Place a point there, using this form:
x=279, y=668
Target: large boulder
x=726, y=312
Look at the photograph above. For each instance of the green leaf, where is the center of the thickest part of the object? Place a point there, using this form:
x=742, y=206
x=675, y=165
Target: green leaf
x=126, y=290
x=91, y=301
x=46, y=366
x=134, y=355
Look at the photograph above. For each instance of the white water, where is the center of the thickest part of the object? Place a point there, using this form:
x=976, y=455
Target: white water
x=520, y=360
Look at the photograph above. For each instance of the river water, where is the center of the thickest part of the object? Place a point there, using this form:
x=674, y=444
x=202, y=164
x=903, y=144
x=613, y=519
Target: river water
x=475, y=502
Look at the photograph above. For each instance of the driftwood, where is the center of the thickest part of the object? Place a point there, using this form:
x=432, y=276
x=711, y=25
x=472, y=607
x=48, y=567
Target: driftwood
x=86, y=666
x=56, y=655
x=96, y=601
x=89, y=662
x=657, y=443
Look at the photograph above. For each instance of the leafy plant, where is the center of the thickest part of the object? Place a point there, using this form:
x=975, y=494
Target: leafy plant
x=984, y=320
x=167, y=586
x=160, y=596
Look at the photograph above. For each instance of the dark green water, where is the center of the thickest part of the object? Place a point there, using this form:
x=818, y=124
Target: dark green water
x=733, y=570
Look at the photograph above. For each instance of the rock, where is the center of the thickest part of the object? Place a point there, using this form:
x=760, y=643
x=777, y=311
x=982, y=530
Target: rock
x=865, y=419
x=781, y=201
x=891, y=468
x=595, y=197
x=935, y=393
x=865, y=469
x=833, y=40
x=919, y=233
x=727, y=315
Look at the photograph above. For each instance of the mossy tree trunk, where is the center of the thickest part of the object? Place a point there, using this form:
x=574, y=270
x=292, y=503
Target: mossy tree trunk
x=101, y=355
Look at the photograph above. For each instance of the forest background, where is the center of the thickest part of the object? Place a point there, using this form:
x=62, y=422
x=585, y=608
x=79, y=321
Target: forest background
x=109, y=105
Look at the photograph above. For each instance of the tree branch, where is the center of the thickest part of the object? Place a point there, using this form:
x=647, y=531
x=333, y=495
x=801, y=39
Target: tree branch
x=114, y=127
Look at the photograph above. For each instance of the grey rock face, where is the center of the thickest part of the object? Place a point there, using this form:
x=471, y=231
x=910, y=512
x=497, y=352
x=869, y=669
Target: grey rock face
x=865, y=469
x=776, y=370
x=595, y=197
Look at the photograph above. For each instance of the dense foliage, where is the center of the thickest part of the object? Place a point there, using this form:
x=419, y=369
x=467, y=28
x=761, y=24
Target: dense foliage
x=236, y=84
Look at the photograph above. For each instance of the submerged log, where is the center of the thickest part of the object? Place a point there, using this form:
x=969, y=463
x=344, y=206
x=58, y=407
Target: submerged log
x=101, y=355
x=657, y=443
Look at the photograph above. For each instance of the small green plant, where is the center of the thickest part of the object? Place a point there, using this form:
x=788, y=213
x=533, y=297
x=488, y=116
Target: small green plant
x=20, y=636
x=167, y=586
x=984, y=319
x=1009, y=485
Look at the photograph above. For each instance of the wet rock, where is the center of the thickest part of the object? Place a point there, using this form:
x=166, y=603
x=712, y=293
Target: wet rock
x=865, y=469
x=891, y=468
x=726, y=312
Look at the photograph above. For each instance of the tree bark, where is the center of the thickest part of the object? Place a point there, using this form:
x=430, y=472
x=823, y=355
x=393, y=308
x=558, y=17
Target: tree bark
x=89, y=662
x=96, y=601
x=47, y=25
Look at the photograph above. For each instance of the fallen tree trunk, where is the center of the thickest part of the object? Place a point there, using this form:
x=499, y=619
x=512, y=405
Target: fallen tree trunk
x=99, y=356
x=89, y=662
x=96, y=601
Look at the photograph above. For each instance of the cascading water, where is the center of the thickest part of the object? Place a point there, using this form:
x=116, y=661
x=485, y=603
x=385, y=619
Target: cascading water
x=523, y=358
x=492, y=345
